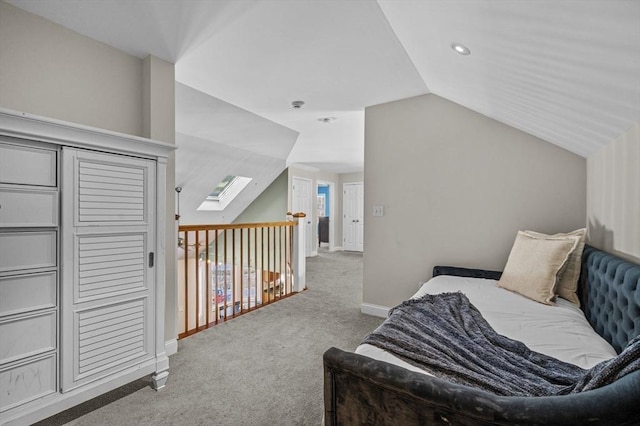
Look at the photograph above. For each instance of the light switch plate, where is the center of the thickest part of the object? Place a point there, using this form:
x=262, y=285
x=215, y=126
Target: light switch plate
x=378, y=211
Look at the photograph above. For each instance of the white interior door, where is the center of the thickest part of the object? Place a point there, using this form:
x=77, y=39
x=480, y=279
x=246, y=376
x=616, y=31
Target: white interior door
x=108, y=220
x=303, y=201
x=353, y=216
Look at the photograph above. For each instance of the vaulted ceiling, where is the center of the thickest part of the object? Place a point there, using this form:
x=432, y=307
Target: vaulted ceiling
x=566, y=71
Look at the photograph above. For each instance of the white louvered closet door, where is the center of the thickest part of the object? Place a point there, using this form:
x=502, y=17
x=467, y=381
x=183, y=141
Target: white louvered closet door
x=107, y=286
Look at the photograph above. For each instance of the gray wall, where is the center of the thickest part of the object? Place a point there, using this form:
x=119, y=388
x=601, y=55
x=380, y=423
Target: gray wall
x=52, y=71
x=456, y=186
x=271, y=205
x=613, y=196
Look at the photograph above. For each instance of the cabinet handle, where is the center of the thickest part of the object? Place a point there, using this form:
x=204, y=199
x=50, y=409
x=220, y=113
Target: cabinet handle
x=151, y=260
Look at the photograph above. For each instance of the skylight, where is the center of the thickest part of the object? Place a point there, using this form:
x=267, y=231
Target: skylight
x=224, y=193
x=221, y=188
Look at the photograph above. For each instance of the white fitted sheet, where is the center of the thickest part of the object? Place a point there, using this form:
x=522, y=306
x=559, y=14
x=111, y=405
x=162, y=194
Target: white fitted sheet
x=560, y=331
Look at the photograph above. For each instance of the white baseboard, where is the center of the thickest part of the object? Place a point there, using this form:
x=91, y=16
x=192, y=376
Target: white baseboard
x=171, y=346
x=335, y=248
x=375, y=310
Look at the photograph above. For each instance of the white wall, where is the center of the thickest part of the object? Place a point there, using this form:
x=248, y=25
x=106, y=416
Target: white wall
x=613, y=196
x=52, y=71
x=456, y=186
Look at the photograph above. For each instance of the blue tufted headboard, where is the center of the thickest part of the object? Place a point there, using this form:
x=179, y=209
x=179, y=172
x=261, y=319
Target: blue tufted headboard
x=609, y=291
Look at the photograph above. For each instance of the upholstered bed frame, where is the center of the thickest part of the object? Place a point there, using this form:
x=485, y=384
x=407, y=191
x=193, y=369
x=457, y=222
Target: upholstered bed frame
x=359, y=390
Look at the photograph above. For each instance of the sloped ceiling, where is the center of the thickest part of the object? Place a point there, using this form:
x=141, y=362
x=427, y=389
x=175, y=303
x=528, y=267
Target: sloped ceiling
x=216, y=139
x=566, y=71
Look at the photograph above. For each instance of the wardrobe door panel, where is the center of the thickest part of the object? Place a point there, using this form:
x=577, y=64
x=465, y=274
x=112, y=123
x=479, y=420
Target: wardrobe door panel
x=107, y=297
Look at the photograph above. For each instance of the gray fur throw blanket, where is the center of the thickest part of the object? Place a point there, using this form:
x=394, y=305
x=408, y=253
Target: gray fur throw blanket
x=446, y=336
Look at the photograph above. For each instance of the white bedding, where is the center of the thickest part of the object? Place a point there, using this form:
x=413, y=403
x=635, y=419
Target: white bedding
x=560, y=331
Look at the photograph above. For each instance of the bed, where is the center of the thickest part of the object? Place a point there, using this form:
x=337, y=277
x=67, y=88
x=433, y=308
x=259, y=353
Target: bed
x=374, y=387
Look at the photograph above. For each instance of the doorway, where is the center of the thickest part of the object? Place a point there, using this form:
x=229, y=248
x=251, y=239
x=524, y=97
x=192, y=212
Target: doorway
x=326, y=214
x=353, y=216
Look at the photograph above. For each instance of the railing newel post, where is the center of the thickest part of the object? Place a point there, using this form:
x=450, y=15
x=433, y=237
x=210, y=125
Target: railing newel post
x=299, y=258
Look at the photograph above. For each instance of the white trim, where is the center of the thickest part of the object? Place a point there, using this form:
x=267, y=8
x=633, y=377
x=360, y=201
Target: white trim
x=171, y=347
x=33, y=127
x=375, y=310
x=336, y=248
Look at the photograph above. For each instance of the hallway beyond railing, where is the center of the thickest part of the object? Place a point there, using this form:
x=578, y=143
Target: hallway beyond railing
x=227, y=270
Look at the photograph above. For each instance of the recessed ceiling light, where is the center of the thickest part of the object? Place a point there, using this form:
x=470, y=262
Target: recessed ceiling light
x=327, y=120
x=297, y=104
x=460, y=48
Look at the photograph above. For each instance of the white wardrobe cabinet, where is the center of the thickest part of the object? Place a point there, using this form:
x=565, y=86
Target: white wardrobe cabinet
x=82, y=216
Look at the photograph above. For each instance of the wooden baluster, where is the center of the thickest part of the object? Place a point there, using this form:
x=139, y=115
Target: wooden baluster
x=186, y=283
x=207, y=265
x=241, y=270
x=275, y=266
x=197, y=280
x=226, y=286
x=233, y=272
x=255, y=266
x=262, y=265
x=216, y=259
x=279, y=229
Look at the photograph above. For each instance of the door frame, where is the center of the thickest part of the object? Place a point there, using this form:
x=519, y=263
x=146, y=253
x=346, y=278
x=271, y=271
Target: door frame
x=344, y=212
x=332, y=212
x=312, y=216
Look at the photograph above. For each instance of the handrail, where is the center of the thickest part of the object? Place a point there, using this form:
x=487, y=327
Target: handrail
x=226, y=270
x=234, y=226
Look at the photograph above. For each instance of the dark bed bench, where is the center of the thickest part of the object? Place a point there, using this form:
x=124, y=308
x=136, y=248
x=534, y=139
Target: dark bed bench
x=359, y=390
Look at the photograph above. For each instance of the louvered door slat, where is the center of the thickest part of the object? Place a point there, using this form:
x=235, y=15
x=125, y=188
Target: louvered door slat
x=98, y=348
x=110, y=195
x=94, y=262
x=101, y=334
x=111, y=169
x=108, y=333
x=94, y=279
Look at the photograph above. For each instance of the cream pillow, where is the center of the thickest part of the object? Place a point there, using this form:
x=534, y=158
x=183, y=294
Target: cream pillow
x=568, y=284
x=535, y=264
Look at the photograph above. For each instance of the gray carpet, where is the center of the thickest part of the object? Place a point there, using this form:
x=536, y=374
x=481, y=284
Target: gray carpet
x=263, y=368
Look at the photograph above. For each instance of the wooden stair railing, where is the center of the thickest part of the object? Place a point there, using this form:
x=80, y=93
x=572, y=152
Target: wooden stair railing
x=228, y=270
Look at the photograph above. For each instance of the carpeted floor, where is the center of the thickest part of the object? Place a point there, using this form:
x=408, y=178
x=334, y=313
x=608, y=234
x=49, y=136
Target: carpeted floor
x=263, y=368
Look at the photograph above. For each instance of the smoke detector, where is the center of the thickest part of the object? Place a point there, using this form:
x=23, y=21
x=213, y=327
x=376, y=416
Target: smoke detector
x=297, y=104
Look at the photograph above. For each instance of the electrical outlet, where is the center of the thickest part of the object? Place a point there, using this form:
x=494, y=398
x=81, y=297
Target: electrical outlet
x=378, y=211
